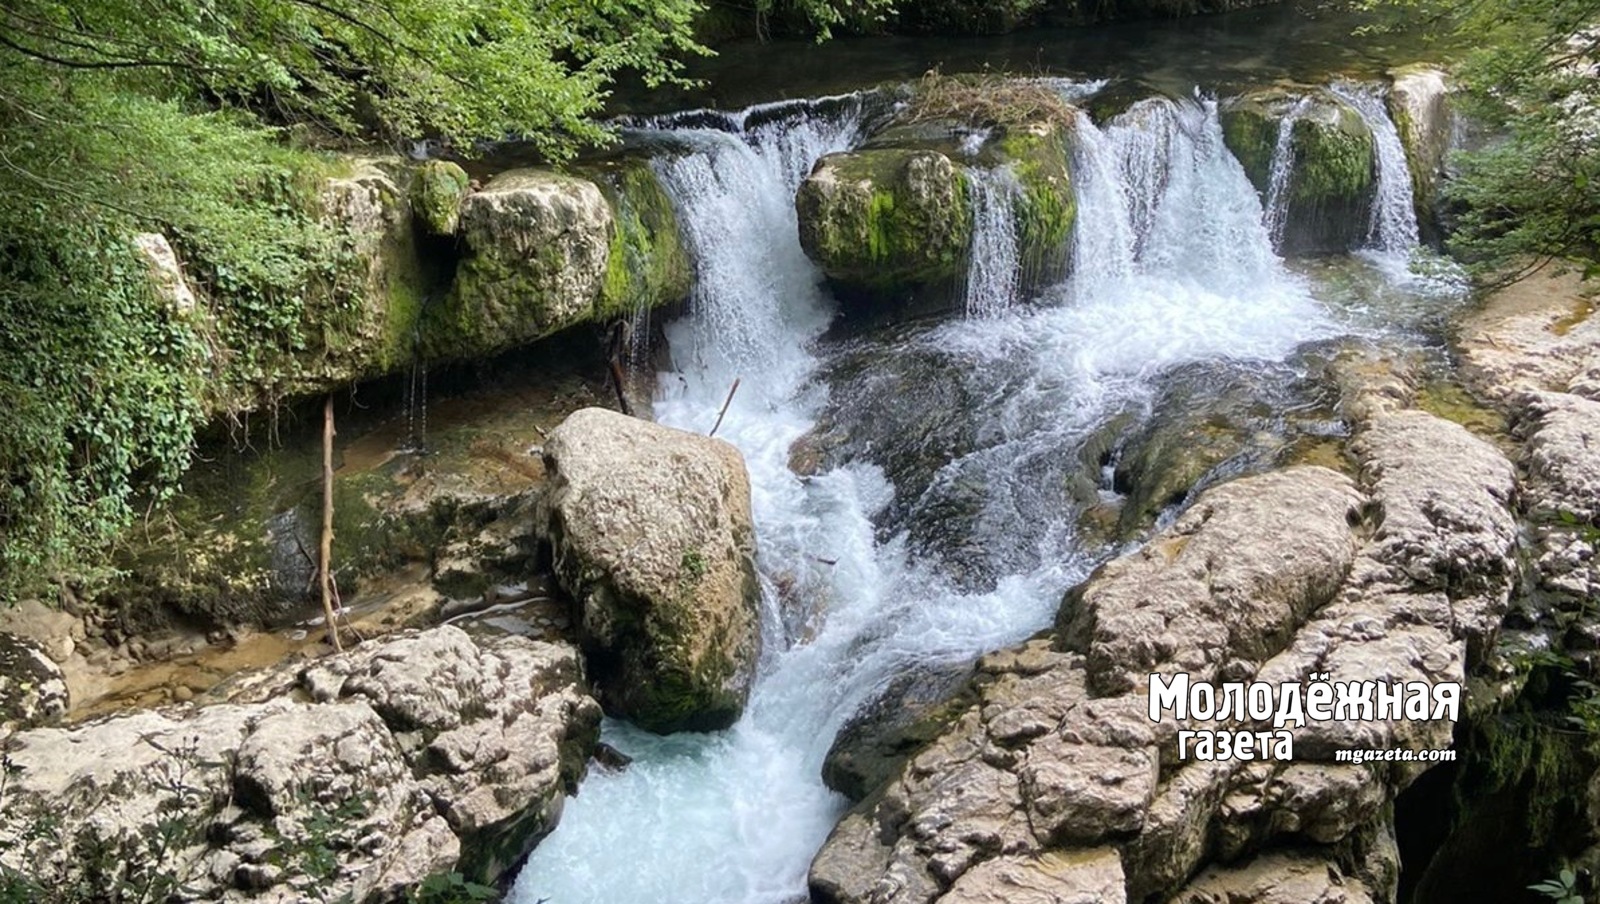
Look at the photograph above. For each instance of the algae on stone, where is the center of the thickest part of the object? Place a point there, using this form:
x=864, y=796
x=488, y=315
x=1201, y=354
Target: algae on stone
x=436, y=195
x=882, y=218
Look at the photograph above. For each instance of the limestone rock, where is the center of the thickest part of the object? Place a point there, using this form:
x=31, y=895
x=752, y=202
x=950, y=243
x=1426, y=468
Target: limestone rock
x=32, y=688
x=1535, y=334
x=165, y=271
x=1419, y=103
x=537, y=245
x=886, y=217
x=413, y=751
x=1277, y=878
x=1227, y=583
x=1563, y=445
x=652, y=534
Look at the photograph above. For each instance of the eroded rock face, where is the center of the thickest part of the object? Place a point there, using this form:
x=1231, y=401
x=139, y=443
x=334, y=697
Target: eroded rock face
x=652, y=535
x=425, y=753
x=32, y=688
x=1419, y=103
x=886, y=217
x=1401, y=577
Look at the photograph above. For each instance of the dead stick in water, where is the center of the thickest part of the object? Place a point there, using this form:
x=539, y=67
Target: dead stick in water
x=324, y=573
x=725, y=403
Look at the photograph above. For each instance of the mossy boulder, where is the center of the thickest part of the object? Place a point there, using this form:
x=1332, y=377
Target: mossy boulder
x=886, y=218
x=1047, y=208
x=436, y=195
x=648, y=264
x=545, y=251
x=1333, y=169
x=652, y=536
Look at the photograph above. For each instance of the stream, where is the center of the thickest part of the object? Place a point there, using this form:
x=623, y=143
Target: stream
x=946, y=522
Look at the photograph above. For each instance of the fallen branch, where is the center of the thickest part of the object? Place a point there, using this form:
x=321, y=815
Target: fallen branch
x=725, y=403
x=324, y=573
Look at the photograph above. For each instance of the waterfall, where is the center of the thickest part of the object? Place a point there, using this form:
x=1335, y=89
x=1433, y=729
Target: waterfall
x=733, y=817
x=1277, y=212
x=1394, y=212
x=994, y=272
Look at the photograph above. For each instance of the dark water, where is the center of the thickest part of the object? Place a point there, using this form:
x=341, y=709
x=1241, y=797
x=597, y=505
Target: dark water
x=1303, y=42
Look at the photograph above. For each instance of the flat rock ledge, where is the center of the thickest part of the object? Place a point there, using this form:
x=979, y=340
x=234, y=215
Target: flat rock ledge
x=355, y=779
x=1055, y=785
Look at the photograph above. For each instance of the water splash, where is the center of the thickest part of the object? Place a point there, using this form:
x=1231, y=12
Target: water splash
x=1282, y=170
x=1393, y=230
x=994, y=271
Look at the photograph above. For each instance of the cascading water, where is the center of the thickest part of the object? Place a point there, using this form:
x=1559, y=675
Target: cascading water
x=995, y=272
x=1277, y=212
x=1394, y=212
x=1187, y=275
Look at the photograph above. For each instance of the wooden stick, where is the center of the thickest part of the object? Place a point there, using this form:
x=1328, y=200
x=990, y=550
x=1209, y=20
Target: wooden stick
x=324, y=572
x=725, y=403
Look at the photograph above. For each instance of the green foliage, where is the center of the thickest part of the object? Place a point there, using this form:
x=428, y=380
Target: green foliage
x=1563, y=889
x=105, y=381
x=451, y=888
x=1535, y=191
x=121, y=117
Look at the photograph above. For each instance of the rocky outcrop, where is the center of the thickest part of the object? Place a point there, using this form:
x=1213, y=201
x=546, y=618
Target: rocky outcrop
x=1419, y=102
x=1056, y=781
x=32, y=688
x=1536, y=334
x=425, y=753
x=544, y=251
x=886, y=217
x=652, y=536
x=1332, y=173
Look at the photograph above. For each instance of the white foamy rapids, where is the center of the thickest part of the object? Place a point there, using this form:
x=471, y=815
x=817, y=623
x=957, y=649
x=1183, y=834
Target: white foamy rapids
x=735, y=817
x=1277, y=212
x=994, y=273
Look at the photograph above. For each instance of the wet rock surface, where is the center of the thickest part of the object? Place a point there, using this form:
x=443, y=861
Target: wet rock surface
x=1400, y=576
x=359, y=775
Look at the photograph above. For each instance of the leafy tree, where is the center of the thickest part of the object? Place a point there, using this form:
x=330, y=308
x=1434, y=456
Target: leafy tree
x=125, y=116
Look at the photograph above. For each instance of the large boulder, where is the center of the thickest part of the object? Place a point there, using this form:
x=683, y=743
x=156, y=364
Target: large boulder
x=886, y=217
x=652, y=536
x=423, y=754
x=537, y=244
x=1332, y=164
x=545, y=251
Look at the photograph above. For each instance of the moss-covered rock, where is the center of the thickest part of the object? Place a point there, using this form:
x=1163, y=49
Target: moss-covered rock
x=537, y=245
x=546, y=251
x=436, y=195
x=651, y=534
x=648, y=264
x=1037, y=154
x=886, y=218
x=1332, y=171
